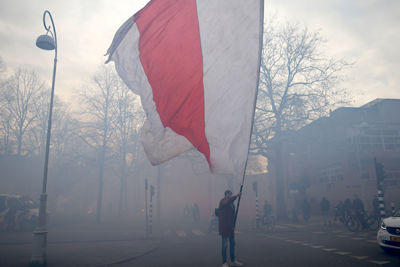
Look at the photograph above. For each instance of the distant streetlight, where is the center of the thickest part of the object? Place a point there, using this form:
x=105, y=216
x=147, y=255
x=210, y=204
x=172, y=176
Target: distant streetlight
x=45, y=42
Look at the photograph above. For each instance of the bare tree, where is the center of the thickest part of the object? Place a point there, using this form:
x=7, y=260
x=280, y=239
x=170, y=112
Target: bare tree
x=5, y=119
x=128, y=119
x=5, y=128
x=97, y=131
x=19, y=96
x=65, y=127
x=297, y=85
x=3, y=69
x=38, y=131
x=71, y=162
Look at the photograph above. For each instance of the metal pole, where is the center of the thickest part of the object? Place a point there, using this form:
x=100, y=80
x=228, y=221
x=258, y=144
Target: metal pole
x=261, y=34
x=393, y=208
x=257, y=213
x=147, y=217
x=379, y=186
x=40, y=234
x=158, y=192
x=151, y=210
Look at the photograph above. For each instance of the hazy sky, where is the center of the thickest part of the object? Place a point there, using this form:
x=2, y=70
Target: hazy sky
x=366, y=32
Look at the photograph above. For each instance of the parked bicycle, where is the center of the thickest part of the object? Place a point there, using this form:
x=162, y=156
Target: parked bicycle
x=342, y=213
x=363, y=220
x=354, y=217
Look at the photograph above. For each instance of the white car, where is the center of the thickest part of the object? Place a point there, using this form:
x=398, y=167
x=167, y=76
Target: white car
x=389, y=233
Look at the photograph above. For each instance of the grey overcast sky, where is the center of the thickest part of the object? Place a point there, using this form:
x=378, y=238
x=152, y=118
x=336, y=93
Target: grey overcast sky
x=366, y=32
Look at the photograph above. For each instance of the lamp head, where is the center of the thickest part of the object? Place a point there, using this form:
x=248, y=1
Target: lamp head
x=45, y=42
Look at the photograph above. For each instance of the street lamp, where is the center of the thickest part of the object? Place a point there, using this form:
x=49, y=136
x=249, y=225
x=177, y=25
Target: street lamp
x=45, y=42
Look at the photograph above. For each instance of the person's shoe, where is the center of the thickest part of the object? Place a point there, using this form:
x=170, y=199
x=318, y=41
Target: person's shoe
x=236, y=263
x=225, y=265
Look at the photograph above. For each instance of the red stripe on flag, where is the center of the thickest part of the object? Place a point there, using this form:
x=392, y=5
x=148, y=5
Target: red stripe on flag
x=170, y=52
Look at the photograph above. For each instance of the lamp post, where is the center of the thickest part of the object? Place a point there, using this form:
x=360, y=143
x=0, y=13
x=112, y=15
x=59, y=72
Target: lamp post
x=45, y=42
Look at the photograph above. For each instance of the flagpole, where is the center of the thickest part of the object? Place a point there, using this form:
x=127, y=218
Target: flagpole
x=254, y=104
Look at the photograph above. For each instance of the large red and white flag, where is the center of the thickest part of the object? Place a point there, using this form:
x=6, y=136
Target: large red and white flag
x=195, y=65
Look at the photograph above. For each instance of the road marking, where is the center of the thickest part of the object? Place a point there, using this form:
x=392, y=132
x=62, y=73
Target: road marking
x=380, y=262
x=329, y=249
x=360, y=257
x=342, y=253
x=281, y=226
x=181, y=233
x=198, y=232
x=317, y=246
x=306, y=244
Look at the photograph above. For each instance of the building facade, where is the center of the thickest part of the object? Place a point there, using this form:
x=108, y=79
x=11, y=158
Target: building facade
x=334, y=156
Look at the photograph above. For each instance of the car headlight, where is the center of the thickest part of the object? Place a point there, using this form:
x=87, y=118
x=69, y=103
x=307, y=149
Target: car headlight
x=383, y=225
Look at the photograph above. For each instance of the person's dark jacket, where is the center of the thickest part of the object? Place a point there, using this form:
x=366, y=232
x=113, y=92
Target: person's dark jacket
x=325, y=205
x=226, y=214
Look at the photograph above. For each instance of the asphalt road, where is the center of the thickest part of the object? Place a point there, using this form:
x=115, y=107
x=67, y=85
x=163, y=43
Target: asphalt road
x=83, y=244
x=183, y=243
x=287, y=245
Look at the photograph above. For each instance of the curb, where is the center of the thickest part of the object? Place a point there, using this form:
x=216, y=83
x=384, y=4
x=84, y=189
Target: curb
x=131, y=258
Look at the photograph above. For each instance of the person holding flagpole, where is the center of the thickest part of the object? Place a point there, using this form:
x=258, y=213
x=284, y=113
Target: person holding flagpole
x=195, y=65
x=226, y=227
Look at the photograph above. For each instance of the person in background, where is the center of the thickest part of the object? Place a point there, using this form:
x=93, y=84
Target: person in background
x=358, y=208
x=305, y=210
x=325, y=207
x=196, y=212
x=339, y=212
x=267, y=213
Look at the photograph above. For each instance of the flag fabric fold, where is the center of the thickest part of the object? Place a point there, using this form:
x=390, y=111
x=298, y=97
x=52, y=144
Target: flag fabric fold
x=195, y=65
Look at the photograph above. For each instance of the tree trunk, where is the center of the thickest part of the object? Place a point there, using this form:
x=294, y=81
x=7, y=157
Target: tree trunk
x=280, y=179
x=19, y=145
x=122, y=190
x=280, y=185
x=100, y=192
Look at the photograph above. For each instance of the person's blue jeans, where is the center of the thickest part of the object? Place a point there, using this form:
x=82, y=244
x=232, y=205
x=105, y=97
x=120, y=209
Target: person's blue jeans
x=231, y=247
